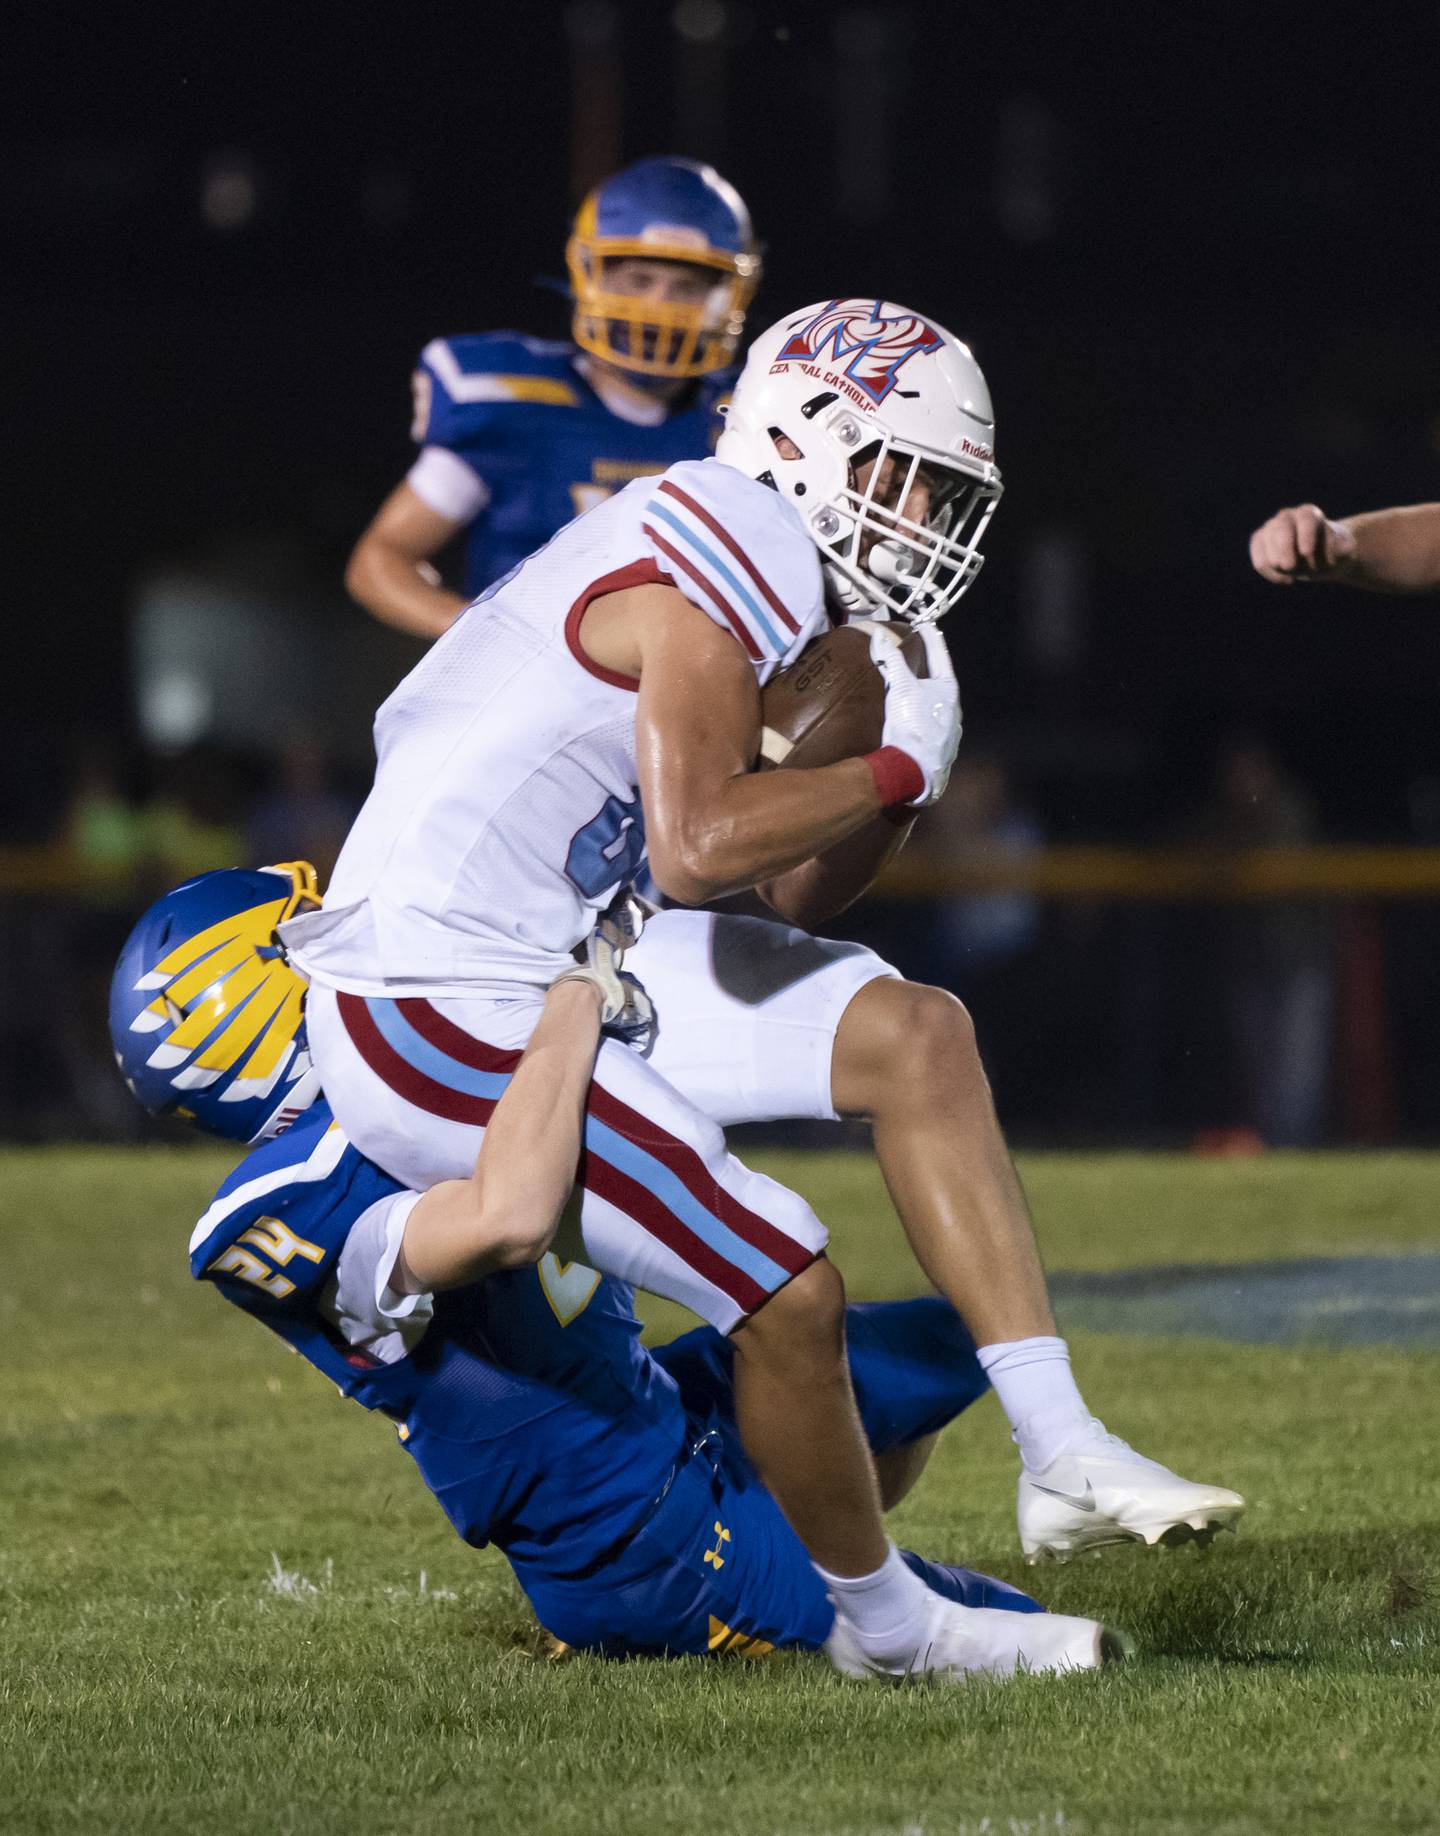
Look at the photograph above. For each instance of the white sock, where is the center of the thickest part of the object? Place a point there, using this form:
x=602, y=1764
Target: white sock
x=1036, y=1390
x=885, y=1610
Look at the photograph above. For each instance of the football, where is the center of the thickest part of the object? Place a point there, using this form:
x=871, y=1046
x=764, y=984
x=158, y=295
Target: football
x=829, y=704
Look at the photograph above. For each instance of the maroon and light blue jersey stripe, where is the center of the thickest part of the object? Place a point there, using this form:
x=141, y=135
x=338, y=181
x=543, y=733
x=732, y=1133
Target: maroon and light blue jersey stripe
x=738, y=552
x=684, y=1198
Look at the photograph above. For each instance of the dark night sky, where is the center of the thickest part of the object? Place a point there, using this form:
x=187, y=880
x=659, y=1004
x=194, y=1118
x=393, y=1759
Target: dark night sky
x=1226, y=302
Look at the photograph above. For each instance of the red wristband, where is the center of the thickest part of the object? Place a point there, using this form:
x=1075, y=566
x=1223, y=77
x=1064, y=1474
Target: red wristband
x=898, y=779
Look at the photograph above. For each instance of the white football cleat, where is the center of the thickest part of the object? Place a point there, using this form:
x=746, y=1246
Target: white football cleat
x=958, y=1643
x=1102, y=1492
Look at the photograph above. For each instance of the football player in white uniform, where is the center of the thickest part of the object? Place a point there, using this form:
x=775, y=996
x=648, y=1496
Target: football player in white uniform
x=602, y=703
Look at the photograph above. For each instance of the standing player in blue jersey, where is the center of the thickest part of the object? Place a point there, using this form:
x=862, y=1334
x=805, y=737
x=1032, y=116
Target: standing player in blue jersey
x=518, y=435
x=611, y=1477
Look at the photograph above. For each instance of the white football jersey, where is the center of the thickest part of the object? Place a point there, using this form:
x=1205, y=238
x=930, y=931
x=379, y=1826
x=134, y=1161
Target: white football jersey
x=505, y=811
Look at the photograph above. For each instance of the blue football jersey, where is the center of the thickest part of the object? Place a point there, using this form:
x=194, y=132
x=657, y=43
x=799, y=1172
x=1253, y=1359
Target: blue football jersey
x=611, y=1478
x=532, y=1383
x=520, y=414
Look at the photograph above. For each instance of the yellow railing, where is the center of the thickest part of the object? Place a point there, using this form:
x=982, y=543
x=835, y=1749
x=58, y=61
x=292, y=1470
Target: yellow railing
x=56, y=871
x=1174, y=873
x=1060, y=873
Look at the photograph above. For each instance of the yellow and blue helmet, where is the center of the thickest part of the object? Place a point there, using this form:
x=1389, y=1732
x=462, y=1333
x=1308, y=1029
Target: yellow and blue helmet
x=206, y=1016
x=663, y=210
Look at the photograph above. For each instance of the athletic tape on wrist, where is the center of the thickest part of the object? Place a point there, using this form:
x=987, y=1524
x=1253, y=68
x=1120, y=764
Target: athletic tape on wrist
x=898, y=779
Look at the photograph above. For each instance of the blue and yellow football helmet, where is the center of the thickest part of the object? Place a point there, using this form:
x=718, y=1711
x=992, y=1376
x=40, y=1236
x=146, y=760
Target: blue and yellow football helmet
x=206, y=1016
x=663, y=210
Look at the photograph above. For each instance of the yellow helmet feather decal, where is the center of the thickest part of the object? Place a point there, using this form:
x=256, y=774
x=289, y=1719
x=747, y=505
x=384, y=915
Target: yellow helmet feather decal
x=268, y=1024
x=228, y=973
x=220, y=1014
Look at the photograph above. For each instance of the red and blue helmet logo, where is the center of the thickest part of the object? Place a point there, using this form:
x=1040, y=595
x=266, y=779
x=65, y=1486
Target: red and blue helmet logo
x=861, y=340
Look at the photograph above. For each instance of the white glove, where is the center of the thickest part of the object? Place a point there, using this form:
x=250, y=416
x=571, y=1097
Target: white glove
x=922, y=713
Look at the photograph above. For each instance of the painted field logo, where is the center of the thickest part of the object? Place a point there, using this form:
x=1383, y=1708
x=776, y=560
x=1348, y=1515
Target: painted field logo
x=862, y=341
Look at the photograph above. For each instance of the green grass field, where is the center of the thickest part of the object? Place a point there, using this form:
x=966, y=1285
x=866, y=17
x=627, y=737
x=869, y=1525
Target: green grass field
x=227, y=1604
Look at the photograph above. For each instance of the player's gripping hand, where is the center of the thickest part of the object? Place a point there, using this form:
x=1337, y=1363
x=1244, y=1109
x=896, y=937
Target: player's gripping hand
x=922, y=713
x=622, y=921
x=625, y=1008
x=635, y=1023
x=1301, y=544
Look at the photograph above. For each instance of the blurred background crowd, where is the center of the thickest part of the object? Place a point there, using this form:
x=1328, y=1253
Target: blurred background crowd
x=1194, y=254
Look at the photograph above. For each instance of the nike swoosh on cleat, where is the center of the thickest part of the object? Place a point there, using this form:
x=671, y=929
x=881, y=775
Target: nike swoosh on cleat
x=1086, y=1503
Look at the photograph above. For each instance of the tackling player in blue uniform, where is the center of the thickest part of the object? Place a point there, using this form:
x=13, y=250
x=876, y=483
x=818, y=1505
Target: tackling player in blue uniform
x=518, y=435
x=612, y=1477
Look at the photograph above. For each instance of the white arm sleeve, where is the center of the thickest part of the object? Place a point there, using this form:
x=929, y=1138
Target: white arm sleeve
x=443, y=480
x=360, y=1301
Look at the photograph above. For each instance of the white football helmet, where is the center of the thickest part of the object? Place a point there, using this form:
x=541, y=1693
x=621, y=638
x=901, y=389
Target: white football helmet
x=854, y=380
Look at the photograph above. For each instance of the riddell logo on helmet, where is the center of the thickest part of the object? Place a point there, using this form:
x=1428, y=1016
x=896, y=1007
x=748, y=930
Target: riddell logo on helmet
x=972, y=449
x=867, y=347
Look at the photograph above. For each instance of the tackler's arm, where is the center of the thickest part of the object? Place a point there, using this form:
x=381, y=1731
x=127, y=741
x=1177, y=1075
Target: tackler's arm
x=506, y=1214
